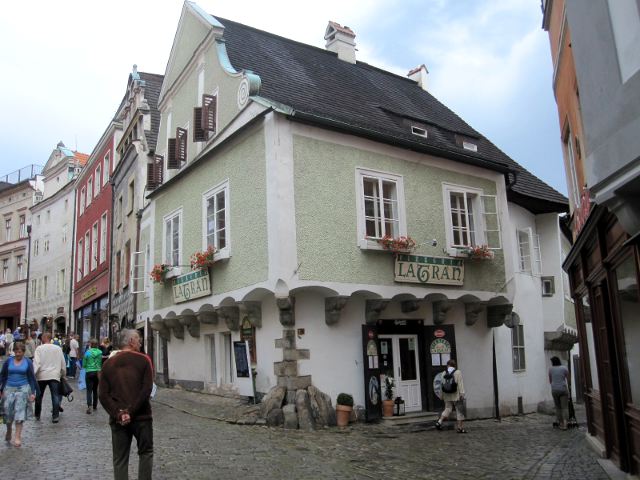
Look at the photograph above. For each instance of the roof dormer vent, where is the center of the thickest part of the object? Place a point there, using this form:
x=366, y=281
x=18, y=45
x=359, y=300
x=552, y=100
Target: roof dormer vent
x=341, y=40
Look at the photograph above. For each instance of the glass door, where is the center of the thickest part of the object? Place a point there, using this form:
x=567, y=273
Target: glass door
x=399, y=358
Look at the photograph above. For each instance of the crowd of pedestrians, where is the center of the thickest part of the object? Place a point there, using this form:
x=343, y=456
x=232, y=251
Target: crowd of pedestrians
x=35, y=361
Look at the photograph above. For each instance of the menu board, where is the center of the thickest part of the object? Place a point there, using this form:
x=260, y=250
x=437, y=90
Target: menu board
x=242, y=360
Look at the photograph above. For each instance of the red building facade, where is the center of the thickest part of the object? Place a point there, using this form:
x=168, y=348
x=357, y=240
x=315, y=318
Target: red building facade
x=92, y=247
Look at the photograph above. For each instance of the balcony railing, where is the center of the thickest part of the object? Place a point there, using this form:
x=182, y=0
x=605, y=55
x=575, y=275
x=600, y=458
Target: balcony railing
x=25, y=173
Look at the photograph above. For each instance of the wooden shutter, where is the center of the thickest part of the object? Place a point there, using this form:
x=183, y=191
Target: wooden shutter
x=199, y=133
x=172, y=160
x=154, y=172
x=209, y=112
x=181, y=144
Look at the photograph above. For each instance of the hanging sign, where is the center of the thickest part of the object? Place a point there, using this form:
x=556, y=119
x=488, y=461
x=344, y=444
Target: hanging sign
x=191, y=285
x=429, y=270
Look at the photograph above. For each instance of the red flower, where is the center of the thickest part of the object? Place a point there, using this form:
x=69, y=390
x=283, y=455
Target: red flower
x=397, y=244
x=200, y=260
x=158, y=272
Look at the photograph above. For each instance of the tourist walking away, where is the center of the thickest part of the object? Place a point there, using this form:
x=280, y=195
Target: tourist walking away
x=74, y=349
x=125, y=386
x=92, y=364
x=49, y=367
x=18, y=389
x=453, y=396
x=558, y=376
x=30, y=346
x=106, y=348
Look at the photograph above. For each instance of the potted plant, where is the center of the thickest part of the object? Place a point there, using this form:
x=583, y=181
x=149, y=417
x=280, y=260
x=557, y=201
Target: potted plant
x=387, y=404
x=159, y=272
x=344, y=406
x=402, y=244
x=200, y=260
x=477, y=252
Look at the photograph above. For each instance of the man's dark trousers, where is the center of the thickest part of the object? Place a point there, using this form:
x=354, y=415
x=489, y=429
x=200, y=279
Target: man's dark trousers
x=54, y=388
x=121, y=442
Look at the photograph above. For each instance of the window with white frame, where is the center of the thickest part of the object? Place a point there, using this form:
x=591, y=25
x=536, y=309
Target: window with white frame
x=34, y=289
x=103, y=238
x=83, y=197
x=5, y=270
x=571, y=164
x=64, y=233
x=517, y=348
x=7, y=229
x=20, y=267
x=471, y=218
x=216, y=217
x=46, y=243
x=94, y=246
x=36, y=247
x=89, y=191
x=79, y=261
x=106, y=171
x=62, y=281
x=23, y=226
x=381, y=210
x=529, y=256
x=172, y=239
x=87, y=253
x=98, y=181
x=45, y=285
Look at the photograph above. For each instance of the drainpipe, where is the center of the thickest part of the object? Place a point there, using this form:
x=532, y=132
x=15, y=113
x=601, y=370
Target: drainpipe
x=496, y=393
x=137, y=249
x=26, y=300
x=73, y=259
x=110, y=252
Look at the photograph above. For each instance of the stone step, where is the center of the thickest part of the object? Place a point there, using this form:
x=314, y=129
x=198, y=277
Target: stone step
x=410, y=419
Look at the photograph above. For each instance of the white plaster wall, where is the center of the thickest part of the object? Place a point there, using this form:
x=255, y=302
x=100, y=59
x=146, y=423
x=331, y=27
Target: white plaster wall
x=548, y=228
x=266, y=352
x=186, y=358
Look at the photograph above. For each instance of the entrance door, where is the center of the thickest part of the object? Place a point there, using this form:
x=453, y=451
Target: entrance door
x=399, y=354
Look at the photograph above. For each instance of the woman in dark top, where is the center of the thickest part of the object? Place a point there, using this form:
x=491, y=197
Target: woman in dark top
x=18, y=388
x=558, y=376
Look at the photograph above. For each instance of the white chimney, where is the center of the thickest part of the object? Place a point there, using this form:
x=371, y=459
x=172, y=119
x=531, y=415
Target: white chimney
x=341, y=40
x=419, y=75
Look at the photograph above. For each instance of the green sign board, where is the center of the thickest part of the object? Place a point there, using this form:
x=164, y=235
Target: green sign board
x=429, y=270
x=191, y=285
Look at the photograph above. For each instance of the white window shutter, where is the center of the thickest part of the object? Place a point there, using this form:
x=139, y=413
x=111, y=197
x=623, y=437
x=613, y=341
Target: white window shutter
x=137, y=273
x=492, y=234
x=537, y=257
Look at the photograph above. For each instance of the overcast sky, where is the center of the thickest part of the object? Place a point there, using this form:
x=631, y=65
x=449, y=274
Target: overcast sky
x=64, y=64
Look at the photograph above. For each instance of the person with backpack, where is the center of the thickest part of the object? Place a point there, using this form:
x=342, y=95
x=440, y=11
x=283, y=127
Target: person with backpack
x=453, y=396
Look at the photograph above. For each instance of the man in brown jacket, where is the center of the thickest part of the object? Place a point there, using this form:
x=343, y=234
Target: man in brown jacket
x=124, y=389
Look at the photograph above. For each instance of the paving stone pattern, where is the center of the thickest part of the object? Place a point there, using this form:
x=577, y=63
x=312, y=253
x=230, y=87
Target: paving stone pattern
x=197, y=437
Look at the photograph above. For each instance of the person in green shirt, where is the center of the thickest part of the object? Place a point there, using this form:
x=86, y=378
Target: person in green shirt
x=92, y=364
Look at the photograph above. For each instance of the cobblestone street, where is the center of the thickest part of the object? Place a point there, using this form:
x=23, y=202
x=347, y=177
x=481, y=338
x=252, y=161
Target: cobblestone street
x=191, y=445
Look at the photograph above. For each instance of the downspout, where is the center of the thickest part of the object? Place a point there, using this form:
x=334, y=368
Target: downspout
x=496, y=393
x=73, y=258
x=26, y=300
x=110, y=252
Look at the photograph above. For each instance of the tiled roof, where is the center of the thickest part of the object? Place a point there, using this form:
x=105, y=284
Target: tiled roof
x=81, y=158
x=153, y=84
x=371, y=102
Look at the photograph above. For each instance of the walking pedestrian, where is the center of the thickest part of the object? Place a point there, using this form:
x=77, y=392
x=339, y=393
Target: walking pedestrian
x=18, y=388
x=455, y=399
x=49, y=367
x=125, y=386
x=92, y=364
x=558, y=376
x=30, y=347
x=74, y=348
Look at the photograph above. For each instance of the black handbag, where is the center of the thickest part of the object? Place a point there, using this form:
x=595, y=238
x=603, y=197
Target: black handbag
x=65, y=389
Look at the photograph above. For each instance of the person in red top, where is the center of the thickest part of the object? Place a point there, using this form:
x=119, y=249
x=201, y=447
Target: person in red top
x=125, y=386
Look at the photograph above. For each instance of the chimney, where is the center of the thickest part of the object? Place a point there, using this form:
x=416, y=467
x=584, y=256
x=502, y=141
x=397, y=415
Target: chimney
x=419, y=75
x=341, y=40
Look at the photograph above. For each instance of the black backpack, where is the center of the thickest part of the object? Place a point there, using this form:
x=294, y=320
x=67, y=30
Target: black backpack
x=449, y=384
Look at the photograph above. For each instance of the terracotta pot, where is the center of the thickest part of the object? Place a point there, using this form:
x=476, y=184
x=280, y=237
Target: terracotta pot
x=387, y=408
x=343, y=414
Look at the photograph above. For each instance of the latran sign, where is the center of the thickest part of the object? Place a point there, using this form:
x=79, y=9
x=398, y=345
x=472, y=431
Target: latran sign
x=429, y=270
x=191, y=285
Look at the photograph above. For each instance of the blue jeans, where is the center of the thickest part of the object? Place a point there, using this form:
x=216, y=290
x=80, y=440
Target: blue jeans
x=54, y=388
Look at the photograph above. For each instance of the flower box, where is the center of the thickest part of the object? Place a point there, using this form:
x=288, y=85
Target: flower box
x=202, y=260
x=475, y=252
x=160, y=272
x=402, y=244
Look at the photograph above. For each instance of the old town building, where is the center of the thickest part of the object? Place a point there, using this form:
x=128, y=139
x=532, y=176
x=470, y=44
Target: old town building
x=305, y=170
x=594, y=47
x=92, y=238
x=19, y=191
x=52, y=233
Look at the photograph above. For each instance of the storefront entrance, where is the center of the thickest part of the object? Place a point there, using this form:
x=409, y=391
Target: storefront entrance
x=399, y=358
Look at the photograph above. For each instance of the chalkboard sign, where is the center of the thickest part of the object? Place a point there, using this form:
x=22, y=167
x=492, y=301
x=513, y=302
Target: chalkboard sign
x=242, y=361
